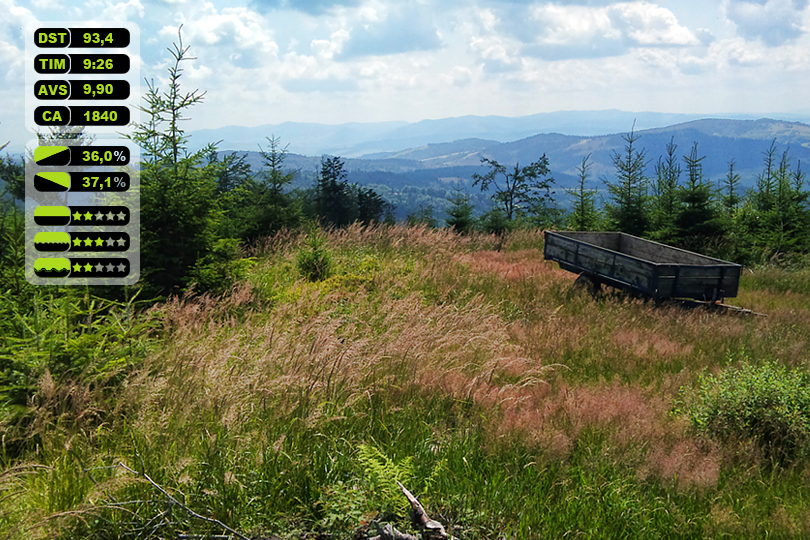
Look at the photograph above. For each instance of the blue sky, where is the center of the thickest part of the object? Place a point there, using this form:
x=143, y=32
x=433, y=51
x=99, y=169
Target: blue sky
x=333, y=61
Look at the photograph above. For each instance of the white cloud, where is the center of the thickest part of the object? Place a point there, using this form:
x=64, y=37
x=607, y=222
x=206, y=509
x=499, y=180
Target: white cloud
x=123, y=11
x=647, y=24
x=312, y=7
x=235, y=35
x=329, y=48
x=496, y=53
x=458, y=76
x=397, y=28
x=575, y=31
x=264, y=61
x=772, y=21
x=12, y=42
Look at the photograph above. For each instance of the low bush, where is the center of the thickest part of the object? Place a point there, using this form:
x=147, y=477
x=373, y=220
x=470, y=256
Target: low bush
x=768, y=404
x=314, y=260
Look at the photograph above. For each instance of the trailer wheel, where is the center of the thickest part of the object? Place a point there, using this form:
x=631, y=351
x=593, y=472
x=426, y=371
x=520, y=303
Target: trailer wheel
x=587, y=283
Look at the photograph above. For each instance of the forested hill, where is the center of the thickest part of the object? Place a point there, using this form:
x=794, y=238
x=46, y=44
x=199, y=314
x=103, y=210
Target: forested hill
x=720, y=140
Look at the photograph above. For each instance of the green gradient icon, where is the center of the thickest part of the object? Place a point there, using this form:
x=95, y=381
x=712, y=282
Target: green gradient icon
x=52, y=155
x=51, y=215
x=52, y=181
x=52, y=241
x=52, y=267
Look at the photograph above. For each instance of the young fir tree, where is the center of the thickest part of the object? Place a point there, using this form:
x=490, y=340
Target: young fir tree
x=789, y=223
x=258, y=206
x=730, y=185
x=801, y=198
x=627, y=210
x=666, y=202
x=233, y=170
x=334, y=204
x=178, y=187
x=584, y=215
x=775, y=218
x=273, y=160
x=697, y=224
x=371, y=206
x=459, y=215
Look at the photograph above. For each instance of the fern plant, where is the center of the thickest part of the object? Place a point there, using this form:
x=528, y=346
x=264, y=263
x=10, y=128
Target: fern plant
x=380, y=476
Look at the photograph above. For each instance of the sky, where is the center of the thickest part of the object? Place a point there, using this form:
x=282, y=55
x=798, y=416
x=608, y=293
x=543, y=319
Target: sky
x=334, y=61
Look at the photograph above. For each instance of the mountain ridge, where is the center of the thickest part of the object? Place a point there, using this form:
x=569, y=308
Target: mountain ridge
x=356, y=139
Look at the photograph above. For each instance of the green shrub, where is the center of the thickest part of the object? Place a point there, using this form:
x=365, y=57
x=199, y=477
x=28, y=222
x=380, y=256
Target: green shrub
x=223, y=267
x=768, y=404
x=313, y=260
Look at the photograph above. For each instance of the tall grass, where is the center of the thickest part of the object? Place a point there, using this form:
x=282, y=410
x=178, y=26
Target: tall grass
x=511, y=405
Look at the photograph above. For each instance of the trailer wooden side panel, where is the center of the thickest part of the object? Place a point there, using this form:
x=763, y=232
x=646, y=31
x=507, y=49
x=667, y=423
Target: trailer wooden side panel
x=650, y=268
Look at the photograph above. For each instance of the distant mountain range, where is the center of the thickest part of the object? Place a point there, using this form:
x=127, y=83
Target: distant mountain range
x=359, y=139
x=419, y=164
x=433, y=164
x=427, y=174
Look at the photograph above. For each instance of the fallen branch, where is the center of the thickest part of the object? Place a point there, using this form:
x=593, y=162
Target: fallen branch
x=183, y=506
x=431, y=529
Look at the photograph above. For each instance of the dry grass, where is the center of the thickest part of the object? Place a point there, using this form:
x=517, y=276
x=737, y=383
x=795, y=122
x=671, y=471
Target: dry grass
x=234, y=368
x=575, y=364
x=438, y=315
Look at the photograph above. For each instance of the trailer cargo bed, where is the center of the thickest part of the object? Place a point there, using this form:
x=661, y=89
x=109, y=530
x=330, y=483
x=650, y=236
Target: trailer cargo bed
x=642, y=266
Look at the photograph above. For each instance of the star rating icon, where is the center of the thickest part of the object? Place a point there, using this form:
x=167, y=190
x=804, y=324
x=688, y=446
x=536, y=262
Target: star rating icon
x=121, y=216
x=77, y=242
x=88, y=216
x=100, y=268
x=109, y=216
x=99, y=216
x=88, y=242
x=77, y=216
x=99, y=241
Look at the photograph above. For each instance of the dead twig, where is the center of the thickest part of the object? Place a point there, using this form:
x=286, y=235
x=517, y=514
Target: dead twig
x=181, y=505
x=431, y=529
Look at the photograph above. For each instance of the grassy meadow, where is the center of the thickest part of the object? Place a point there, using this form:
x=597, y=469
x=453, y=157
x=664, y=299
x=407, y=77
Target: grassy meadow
x=510, y=403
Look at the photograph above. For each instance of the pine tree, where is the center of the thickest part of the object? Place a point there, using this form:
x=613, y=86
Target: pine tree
x=371, y=206
x=730, y=199
x=273, y=161
x=789, y=222
x=233, y=170
x=666, y=201
x=766, y=180
x=178, y=189
x=334, y=204
x=337, y=203
x=776, y=218
x=697, y=224
x=258, y=206
x=584, y=215
x=460, y=217
x=628, y=209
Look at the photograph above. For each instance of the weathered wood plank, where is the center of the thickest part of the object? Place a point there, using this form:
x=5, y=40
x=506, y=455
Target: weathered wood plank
x=651, y=268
